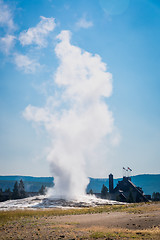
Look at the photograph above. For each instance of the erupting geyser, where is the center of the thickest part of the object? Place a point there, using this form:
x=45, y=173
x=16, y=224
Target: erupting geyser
x=76, y=117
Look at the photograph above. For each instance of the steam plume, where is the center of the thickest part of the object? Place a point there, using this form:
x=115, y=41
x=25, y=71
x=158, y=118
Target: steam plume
x=76, y=116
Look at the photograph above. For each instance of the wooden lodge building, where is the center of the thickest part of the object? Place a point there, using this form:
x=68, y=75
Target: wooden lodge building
x=125, y=191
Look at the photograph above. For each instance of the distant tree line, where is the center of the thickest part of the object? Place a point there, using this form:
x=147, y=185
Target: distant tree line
x=18, y=192
x=156, y=196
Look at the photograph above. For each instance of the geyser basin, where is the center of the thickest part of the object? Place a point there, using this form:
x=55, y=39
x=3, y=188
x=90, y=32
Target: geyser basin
x=44, y=202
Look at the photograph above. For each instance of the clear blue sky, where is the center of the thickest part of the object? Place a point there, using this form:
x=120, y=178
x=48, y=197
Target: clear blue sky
x=124, y=33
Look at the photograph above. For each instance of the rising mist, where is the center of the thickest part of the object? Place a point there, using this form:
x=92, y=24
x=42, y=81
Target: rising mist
x=76, y=116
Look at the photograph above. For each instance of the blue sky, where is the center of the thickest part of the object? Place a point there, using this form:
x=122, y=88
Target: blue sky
x=125, y=34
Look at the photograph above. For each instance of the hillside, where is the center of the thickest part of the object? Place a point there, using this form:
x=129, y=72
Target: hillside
x=32, y=184
x=148, y=182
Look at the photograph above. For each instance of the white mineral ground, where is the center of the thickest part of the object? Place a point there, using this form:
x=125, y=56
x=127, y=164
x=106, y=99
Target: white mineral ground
x=44, y=202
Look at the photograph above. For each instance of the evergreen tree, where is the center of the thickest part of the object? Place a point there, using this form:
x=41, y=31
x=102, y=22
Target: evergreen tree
x=91, y=191
x=8, y=191
x=104, y=192
x=156, y=196
x=22, y=193
x=15, y=194
x=1, y=197
x=42, y=190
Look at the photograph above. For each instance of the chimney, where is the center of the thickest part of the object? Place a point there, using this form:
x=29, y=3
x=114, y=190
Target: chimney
x=110, y=182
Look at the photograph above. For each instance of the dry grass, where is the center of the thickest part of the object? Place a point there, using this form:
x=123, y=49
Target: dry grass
x=129, y=208
x=42, y=229
x=43, y=224
x=119, y=233
x=16, y=214
x=143, y=207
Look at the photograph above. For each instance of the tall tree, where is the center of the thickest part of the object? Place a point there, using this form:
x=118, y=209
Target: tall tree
x=42, y=190
x=1, y=197
x=91, y=191
x=104, y=191
x=22, y=193
x=156, y=196
x=15, y=194
x=8, y=191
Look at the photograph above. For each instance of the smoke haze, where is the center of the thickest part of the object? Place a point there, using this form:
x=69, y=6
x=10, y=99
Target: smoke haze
x=76, y=117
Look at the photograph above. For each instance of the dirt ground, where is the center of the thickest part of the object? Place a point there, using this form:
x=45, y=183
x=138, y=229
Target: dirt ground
x=115, y=219
x=143, y=223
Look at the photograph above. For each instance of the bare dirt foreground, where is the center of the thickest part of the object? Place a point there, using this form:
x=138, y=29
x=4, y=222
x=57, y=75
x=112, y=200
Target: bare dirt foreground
x=133, y=221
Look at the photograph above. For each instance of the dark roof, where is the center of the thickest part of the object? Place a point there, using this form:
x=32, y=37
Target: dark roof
x=125, y=185
x=135, y=188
